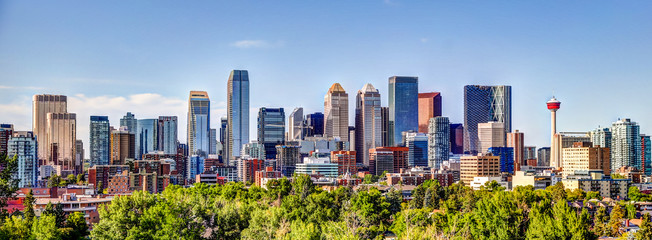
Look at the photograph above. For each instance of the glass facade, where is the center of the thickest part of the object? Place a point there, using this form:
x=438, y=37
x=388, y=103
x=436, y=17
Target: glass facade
x=100, y=142
x=295, y=125
x=146, y=137
x=271, y=129
x=238, y=113
x=368, y=123
x=199, y=115
x=506, y=155
x=23, y=144
x=543, y=156
x=195, y=166
x=417, y=143
x=314, y=124
x=601, y=136
x=129, y=121
x=167, y=134
x=646, y=155
x=457, y=138
x=484, y=104
x=403, y=107
x=439, y=142
x=625, y=144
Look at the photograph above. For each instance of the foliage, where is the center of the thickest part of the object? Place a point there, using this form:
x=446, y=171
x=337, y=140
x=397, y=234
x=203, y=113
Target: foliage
x=28, y=211
x=635, y=194
x=617, y=176
x=76, y=226
x=8, y=184
x=45, y=228
x=615, y=221
x=645, y=231
x=15, y=227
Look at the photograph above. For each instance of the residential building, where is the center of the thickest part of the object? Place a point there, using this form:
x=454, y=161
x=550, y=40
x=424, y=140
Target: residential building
x=429, y=107
x=439, y=142
x=286, y=159
x=198, y=130
x=146, y=135
x=123, y=146
x=646, y=155
x=265, y=175
x=238, y=113
x=100, y=140
x=368, y=125
x=584, y=157
x=167, y=134
x=254, y=150
x=336, y=113
x=491, y=134
x=119, y=184
x=195, y=166
x=616, y=189
x=271, y=129
x=385, y=127
x=346, y=162
x=601, y=137
x=390, y=159
x=565, y=140
x=79, y=151
x=478, y=166
x=530, y=153
x=403, y=107
x=538, y=181
x=6, y=131
x=543, y=156
x=485, y=104
x=100, y=175
x=516, y=141
x=247, y=169
x=24, y=146
x=212, y=142
x=625, y=144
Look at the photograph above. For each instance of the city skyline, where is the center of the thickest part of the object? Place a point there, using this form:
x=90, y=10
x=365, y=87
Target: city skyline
x=586, y=57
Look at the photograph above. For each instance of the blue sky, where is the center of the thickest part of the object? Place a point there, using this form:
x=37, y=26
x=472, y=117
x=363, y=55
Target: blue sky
x=145, y=56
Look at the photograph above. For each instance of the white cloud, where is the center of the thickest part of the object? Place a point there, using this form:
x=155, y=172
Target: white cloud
x=257, y=44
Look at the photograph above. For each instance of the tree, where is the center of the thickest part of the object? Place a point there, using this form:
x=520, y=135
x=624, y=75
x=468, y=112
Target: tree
x=645, y=231
x=8, y=184
x=616, y=221
x=600, y=227
x=57, y=212
x=77, y=225
x=80, y=178
x=28, y=211
x=100, y=186
x=557, y=191
x=593, y=195
x=45, y=228
x=302, y=186
x=54, y=181
x=15, y=227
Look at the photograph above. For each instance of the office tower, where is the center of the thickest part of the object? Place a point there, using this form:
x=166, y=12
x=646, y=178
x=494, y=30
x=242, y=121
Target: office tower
x=61, y=135
x=212, y=139
x=351, y=138
x=439, y=142
x=130, y=122
x=429, y=107
x=403, y=106
x=271, y=129
x=254, y=150
x=167, y=130
x=100, y=140
x=146, y=133
x=287, y=158
x=529, y=153
x=485, y=104
x=625, y=144
x=368, y=123
x=491, y=134
x=41, y=106
x=79, y=151
x=457, y=138
x=6, y=131
x=417, y=144
x=516, y=141
x=238, y=113
x=390, y=159
x=23, y=145
x=543, y=156
x=336, y=113
x=346, y=162
x=646, y=155
x=224, y=123
x=584, y=157
x=314, y=125
x=199, y=116
x=385, y=131
x=123, y=146
x=478, y=166
x=195, y=166
x=601, y=136
x=506, y=155
x=295, y=125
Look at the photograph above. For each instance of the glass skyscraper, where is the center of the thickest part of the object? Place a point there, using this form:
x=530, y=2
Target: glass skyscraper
x=646, y=155
x=100, y=140
x=417, y=144
x=368, y=123
x=129, y=121
x=199, y=115
x=484, y=104
x=167, y=134
x=238, y=113
x=506, y=155
x=601, y=136
x=439, y=142
x=23, y=145
x=146, y=134
x=457, y=138
x=336, y=113
x=271, y=129
x=314, y=124
x=403, y=107
x=625, y=144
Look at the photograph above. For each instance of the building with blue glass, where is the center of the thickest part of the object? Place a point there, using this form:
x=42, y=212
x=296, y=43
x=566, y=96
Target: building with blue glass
x=646, y=155
x=195, y=166
x=439, y=142
x=271, y=129
x=417, y=143
x=23, y=145
x=100, y=140
x=167, y=134
x=237, y=113
x=403, y=107
x=485, y=104
x=199, y=116
x=506, y=155
x=625, y=144
x=146, y=134
x=314, y=124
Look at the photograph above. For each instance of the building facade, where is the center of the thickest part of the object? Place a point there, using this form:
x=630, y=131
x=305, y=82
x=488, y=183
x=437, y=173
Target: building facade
x=417, y=143
x=61, y=138
x=346, y=162
x=543, y=156
x=271, y=129
x=429, y=107
x=295, y=125
x=457, y=138
x=146, y=134
x=584, y=157
x=100, y=140
x=336, y=113
x=516, y=141
x=403, y=107
x=368, y=125
x=491, y=134
x=238, y=113
x=130, y=122
x=123, y=146
x=41, y=106
x=314, y=125
x=439, y=142
x=506, y=155
x=646, y=155
x=478, y=166
x=287, y=158
x=167, y=134
x=625, y=144
x=24, y=146
x=198, y=130
x=484, y=104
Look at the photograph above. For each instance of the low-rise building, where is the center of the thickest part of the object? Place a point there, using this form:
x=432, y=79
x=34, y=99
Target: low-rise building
x=478, y=182
x=263, y=176
x=597, y=182
x=525, y=178
x=210, y=179
x=315, y=165
x=478, y=166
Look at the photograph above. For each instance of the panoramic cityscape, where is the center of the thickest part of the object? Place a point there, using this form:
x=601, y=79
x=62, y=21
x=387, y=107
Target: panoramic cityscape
x=117, y=125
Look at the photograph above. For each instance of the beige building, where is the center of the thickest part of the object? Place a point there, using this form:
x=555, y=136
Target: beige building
x=564, y=140
x=516, y=141
x=523, y=178
x=336, y=113
x=368, y=126
x=61, y=137
x=582, y=156
x=41, y=106
x=123, y=146
x=478, y=166
x=491, y=134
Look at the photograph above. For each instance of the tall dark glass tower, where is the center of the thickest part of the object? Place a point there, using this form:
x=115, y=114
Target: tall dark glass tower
x=100, y=143
x=199, y=115
x=484, y=104
x=237, y=113
x=271, y=129
x=403, y=107
x=314, y=124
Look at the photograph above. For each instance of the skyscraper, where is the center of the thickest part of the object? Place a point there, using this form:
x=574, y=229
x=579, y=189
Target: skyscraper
x=368, y=125
x=100, y=144
x=146, y=134
x=429, y=107
x=129, y=121
x=41, y=106
x=314, y=124
x=224, y=123
x=625, y=144
x=601, y=136
x=295, y=125
x=484, y=104
x=62, y=136
x=506, y=155
x=417, y=144
x=439, y=142
x=385, y=131
x=6, y=131
x=457, y=138
x=543, y=156
x=646, y=155
x=212, y=139
x=79, y=151
x=23, y=146
x=123, y=146
x=336, y=113
x=271, y=129
x=516, y=141
x=199, y=116
x=167, y=131
x=491, y=134
x=403, y=107
x=238, y=113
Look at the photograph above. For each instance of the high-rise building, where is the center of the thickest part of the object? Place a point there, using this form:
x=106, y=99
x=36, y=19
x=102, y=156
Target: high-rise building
x=625, y=144
x=247, y=169
x=485, y=104
x=224, y=123
x=212, y=139
x=287, y=158
x=254, y=150
x=346, y=162
x=565, y=140
x=167, y=134
x=646, y=155
x=23, y=145
x=385, y=131
x=61, y=135
x=506, y=155
x=295, y=125
x=417, y=143
x=491, y=134
x=368, y=125
x=530, y=153
x=601, y=137
x=41, y=106
x=6, y=131
x=390, y=159
x=129, y=121
x=516, y=141
x=79, y=151
x=543, y=156
x=457, y=138
x=439, y=142
x=478, y=166
x=238, y=113
x=199, y=116
x=195, y=166
x=271, y=129
x=429, y=107
x=123, y=146
x=146, y=137
x=403, y=106
x=584, y=157
x=336, y=113
x=100, y=140
x=314, y=125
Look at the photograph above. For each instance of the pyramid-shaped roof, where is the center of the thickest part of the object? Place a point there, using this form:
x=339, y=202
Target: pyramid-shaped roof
x=336, y=88
x=368, y=88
